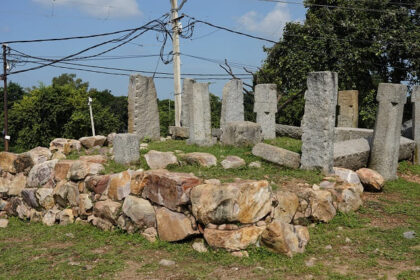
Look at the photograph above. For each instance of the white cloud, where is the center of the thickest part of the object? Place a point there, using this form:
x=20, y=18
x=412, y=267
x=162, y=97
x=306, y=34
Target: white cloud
x=98, y=8
x=271, y=24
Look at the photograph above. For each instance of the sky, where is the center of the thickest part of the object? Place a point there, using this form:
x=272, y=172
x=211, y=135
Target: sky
x=38, y=19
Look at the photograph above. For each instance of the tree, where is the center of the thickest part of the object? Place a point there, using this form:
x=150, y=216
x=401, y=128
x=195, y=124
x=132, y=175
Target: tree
x=366, y=42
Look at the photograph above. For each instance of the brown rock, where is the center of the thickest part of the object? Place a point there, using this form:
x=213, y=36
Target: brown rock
x=23, y=163
x=13, y=185
x=159, y=160
x=97, y=183
x=202, y=159
x=241, y=201
x=285, y=238
x=371, y=180
x=150, y=234
x=319, y=205
x=137, y=182
x=94, y=159
x=169, y=189
x=66, y=193
x=7, y=162
x=119, y=185
x=66, y=146
x=173, y=226
x=92, y=141
x=287, y=206
x=58, y=155
x=140, y=211
x=80, y=169
x=61, y=169
x=233, y=240
x=40, y=155
x=107, y=209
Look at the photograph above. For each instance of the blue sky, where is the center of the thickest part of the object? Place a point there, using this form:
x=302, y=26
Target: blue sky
x=34, y=19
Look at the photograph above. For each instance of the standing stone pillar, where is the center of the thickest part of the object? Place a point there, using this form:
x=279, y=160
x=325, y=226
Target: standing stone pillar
x=265, y=105
x=143, y=113
x=415, y=97
x=387, y=133
x=199, y=116
x=348, y=102
x=232, y=103
x=187, y=90
x=319, y=121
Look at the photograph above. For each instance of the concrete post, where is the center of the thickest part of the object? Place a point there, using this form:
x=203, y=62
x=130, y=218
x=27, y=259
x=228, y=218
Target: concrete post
x=387, y=133
x=265, y=105
x=415, y=97
x=232, y=103
x=186, y=99
x=348, y=102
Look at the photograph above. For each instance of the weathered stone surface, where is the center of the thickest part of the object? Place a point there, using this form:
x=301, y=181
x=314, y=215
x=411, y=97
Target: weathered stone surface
x=66, y=217
x=41, y=174
x=92, y=141
x=242, y=201
x=241, y=134
x=140, y=211
x=348, y=102
x=66, y=193
x=103, y=224
x=199, y=116
x=169, y=189
x=61, y=169
x=348, y=198
x=143, y=113
x=85, y=204
x=179, y=132
x=351, y=154
x=97, y=183
x=137, y=182
x=16, y=207
x=160, y=160
x=371, y=180
x=7, y=162
x=285, y=238
x=347, y=175
x=23, y=163
x=110, y=139
x=40, y=154
x=95, y=159
x=277, y=155
x=199, y=245
x=58, y=155
x=289, y=131
x=265, y=105
x=232, y=103
x=45, y=197
x=107, y=209
x=319, y=121
x=351, y=133
x=126, y=148
x=287, y=205
x=233, y=240
x=255, y=164
x=29, y=196
x=187, y=92
x=150, y=234
x=80, y=169
x=66, y=146
x=386, y=137
x=315, y=205
x=50, y=217
x=4, y=223
x=13, y=185
x=202, y=159
x=119, y=185
x=407, y=149
x=173, y=226
x=232, y=162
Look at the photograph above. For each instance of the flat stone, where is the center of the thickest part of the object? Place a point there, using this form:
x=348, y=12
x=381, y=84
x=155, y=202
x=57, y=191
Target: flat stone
x=92, y=141
x=232, y=103
x=173, y=226
x=107, y=209
x=265, y=105
x=289, y=131
x=371, y=180
x=233, y=240
x=409, y=235
x=119, y=185
x=202, y=159
x=241, y=134
x=233, y=162
x=187, y=92
x=41, y=174
x=140, y=211
x=287, y=205
x=169, y=189
x=160, y=160
x=255, y=164
x=352, y=154
x=126, y=148
x=277, y=155
x=242, y=201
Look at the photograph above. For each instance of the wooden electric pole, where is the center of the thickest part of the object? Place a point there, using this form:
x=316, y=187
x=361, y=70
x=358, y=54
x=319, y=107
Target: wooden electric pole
x=177, y=62
x=6, y=136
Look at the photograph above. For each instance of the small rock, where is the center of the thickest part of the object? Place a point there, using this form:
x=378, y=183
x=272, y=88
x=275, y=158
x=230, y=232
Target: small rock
x=340, y=228
x=150, y=234
x=166, y=262
x=202, y=159
x=144, y=146
x=66, y=217
x=50, y=217
x=240, y=254
x=232, y=162
x=255, y=164
x=199, y=246
x=348, y=240
x=4, y=223
x=371, y=180
x=70, y=235
x=310, y=262
x=409, y=235
x=328, y=247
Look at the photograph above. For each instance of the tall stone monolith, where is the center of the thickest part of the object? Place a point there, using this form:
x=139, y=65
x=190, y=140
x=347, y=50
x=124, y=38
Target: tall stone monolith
x=232, y=103
x=199, y=116
x=143, y=113
x=348, y=114
x=319, y=121
x=415, y=99
x=187, y=90
x=386, y=136
x=265, y=105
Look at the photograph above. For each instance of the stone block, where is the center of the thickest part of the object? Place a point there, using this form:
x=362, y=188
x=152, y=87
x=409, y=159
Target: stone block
x=126, y=148
x=348, y=102
x=289, y=131
x=277, y=155
x=187, y=91
x=232, y=103
x=241, y=134
x=352, y=154
x=415, y=99
x=265, y=105
x=179, y=132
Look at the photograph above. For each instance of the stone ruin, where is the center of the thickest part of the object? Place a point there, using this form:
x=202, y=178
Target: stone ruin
x=265, y=105
x=232, y=103
x=348, y=112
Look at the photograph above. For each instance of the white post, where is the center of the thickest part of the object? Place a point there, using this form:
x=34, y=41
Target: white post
x=91, y=116
x=177, y=62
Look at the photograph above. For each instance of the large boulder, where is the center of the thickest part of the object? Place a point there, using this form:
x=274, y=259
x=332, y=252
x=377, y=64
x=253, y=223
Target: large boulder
x=41, y=174
x=97, y=183
x=202, y=159
x=173, y=226
x=13, y=185
x=241, y=134
x=23, y=163
x=40, y=154
x=243, y=201
x=285, y=238
x=61, y=169
x=107, y=209
x=233, y=240
x=371, y=180
x=92, y=141
x=277, y=155
x=29, y=196
x=45, y=197
x=232, y=162
x=169, y=189
x=347, y=175
x=80, y=169
x=66, y=193
x=119, y=185
x=160, y=160
x=315, y=205
x=287, y=205
x=140, y=211
x=7, y=162
x=66, y=146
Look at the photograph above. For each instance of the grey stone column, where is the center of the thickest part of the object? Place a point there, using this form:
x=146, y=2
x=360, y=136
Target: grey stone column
x=199, y=116
x=232, y=103
x=265, y=105
x=387, y=133
x=187, y=90
x=319, y=121
x=143, y=113
x=348, y=102
x=415, y=97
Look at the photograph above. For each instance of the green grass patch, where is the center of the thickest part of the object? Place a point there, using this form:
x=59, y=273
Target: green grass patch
x=287, y=143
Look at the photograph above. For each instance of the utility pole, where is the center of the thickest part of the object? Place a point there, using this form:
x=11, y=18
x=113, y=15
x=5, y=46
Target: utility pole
x=177, y=62
x=91, y=116
x=6, y=136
